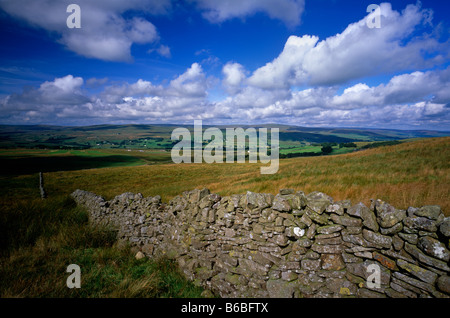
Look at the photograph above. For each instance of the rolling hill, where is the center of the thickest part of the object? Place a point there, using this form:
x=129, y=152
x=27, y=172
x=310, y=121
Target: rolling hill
x=158, y=136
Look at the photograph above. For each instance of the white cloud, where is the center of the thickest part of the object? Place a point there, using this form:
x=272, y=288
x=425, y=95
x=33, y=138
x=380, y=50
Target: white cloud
x=401, y=89
x=288, y=67
x=406, y=101
x=141, y=31
x=191, y=83
x=234, y=76
x=58, y=93
x=96, y=82
x=51, y=98
x=164, y=50
x=108, y=30
x=67, y=84
x=105, y=33
x=355, y=53
x=416, y=98
x=288, y=11
x=66, y=100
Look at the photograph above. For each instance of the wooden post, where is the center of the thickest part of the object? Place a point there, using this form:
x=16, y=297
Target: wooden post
x=41, y=186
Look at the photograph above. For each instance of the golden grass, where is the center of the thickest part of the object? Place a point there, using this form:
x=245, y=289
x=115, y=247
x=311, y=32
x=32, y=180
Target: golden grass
x=411, y=174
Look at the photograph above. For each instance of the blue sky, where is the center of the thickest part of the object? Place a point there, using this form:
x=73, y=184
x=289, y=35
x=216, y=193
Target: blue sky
x=299, y=62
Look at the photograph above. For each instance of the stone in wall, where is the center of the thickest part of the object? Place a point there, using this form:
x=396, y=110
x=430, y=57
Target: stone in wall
x=287, y=245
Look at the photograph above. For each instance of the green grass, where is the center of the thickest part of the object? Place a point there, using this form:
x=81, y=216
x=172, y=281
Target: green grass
x=353, y=136
x=27, y=161
x=105, y=273
x=340, y=151
x=315, y=149
x=40, y=238
x=301, y=149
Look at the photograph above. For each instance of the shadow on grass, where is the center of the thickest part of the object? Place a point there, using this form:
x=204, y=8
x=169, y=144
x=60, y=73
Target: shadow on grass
x=27, y=165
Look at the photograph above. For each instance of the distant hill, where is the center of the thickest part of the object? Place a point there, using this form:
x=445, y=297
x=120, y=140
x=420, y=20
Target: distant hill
x=158, y=136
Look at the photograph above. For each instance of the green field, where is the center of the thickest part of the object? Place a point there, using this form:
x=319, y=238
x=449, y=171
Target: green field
x=23, y=161
x=146, y=137
x=301, y=149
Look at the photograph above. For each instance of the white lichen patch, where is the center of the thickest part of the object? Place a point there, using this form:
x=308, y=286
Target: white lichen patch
x=298, y=231
x=439, y=251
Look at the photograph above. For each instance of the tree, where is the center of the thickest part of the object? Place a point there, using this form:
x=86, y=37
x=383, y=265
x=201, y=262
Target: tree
x=327, y=149
x=348, y=145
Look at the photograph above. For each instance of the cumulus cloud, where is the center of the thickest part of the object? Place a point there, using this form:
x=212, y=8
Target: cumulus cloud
x=67, y=100
x=191, y=83
x=288, y=11
x=234, y=76
x=358, y=51
x=62, y=91
x=50, y=98
x=288, y=68
x=96, y=82
x=105, y=33
x=164, y=50
x=108, y=30
x=406, y=100
x=401, y=89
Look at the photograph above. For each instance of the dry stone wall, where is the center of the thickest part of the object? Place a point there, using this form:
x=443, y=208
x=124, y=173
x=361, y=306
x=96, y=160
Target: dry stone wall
x=288, y=245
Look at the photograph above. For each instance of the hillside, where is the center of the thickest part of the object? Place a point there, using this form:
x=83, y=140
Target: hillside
x=158, y=136
x=409, y=174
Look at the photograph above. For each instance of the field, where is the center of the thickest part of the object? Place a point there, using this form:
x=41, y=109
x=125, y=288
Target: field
x=39, y=237
x=159, y=136
x=25, y=161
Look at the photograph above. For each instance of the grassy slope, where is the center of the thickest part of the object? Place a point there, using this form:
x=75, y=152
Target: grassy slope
x=40, y=238
x=411, y=174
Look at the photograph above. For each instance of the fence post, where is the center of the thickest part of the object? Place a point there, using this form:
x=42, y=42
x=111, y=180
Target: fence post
x=41, y=186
